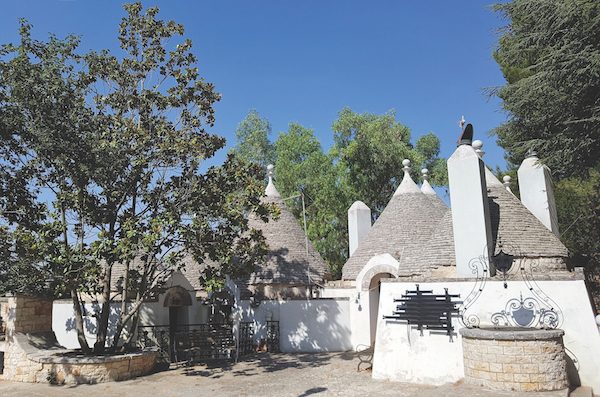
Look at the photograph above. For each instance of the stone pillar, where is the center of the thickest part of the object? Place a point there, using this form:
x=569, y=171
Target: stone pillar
x=359, y=223
x=537, y=194
x=470, y=211
x=24, y=315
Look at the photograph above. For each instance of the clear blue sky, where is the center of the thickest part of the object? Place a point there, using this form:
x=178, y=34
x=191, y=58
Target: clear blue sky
x=303, y=61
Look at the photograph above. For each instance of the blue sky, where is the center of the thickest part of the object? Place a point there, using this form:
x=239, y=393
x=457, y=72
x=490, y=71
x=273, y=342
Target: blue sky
x=303, y=61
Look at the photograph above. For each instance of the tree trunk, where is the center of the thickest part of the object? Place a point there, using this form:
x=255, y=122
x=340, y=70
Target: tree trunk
x=101, y=334
x=79, y=322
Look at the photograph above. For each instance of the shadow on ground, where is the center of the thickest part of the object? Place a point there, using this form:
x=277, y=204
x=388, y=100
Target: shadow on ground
x=259, y=363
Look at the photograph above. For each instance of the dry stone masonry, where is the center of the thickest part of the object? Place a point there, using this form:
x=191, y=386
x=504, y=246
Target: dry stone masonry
x=518, y=360
x=33, y=355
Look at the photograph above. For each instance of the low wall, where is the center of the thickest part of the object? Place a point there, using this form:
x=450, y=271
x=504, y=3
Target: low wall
x=32, y=353
x=522, y=360
x=314, y=325
x=28, y=364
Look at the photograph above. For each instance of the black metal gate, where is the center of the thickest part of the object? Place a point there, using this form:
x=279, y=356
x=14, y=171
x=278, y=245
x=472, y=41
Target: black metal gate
x=196, y=342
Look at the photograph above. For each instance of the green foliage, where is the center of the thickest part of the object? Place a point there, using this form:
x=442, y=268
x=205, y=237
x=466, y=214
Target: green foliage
x=369, y=150
x=550, y=56
x=252, y=140
x=365, y=164
x=114, y=144
x=303, y=167
x=578, y=202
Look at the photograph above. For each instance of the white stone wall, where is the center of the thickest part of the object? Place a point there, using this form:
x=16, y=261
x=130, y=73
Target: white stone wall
x=315, y=325
x=401, y=354
x=151, y=313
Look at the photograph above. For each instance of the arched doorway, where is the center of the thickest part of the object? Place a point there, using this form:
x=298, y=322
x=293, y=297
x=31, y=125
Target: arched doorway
x=368, y=282
x=178, y=300
x=374, y=293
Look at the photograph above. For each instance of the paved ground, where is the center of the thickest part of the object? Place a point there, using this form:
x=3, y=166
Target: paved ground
x=263, y=375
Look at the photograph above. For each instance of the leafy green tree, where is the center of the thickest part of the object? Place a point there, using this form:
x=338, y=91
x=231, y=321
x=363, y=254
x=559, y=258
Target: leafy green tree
x=252, y=140
x=550, y=56
x=578, y=204
x=369, y=150
x=365, y=164
x=117, y=145
x=303, y=168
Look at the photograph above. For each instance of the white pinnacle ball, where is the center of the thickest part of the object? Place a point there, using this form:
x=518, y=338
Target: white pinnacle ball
x=406, y=162
x=424, y=171
x=477, y=144
x=506, y=178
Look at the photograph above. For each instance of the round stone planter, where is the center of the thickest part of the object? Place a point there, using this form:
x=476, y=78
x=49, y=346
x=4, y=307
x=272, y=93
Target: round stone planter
x=514, y=359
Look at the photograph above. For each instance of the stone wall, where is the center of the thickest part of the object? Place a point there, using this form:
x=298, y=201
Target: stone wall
x=33, y=355
x=49, y=367
x=524, y=360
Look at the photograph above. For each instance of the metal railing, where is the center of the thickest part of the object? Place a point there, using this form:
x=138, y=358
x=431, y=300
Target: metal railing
x=190, y=342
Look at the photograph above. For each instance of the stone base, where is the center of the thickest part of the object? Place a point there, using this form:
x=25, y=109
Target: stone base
x=515, y=360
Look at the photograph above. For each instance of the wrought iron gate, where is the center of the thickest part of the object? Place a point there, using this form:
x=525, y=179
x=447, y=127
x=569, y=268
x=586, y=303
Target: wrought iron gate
x=196, y=342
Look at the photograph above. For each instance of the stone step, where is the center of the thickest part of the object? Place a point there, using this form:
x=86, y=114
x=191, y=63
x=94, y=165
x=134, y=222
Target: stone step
x=582, y=391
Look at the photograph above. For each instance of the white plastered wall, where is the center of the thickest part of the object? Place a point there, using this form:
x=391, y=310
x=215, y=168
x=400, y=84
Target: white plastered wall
x=315, y=325
x=151, y=313
x=401, y=354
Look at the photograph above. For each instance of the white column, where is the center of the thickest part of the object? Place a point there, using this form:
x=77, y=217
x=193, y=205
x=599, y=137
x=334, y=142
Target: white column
x=537, y=194
x=359, y=223
x=470, y=210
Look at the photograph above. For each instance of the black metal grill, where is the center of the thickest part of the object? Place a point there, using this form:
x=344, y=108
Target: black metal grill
x=427, y=310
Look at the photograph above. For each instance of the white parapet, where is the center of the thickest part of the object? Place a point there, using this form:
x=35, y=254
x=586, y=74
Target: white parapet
x=470, y=212
x=359, y=223
x=537, y=194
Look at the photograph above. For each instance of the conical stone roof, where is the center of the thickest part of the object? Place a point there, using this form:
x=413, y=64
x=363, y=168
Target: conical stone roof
x=286, y=262
x=406, y=221
x=515, y=228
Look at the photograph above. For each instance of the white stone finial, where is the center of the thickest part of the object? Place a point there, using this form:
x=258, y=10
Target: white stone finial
x=426, y=187
x=462, y=122
x=270, y=191
x=506, y=182
x=407, y=185
x=477, y=145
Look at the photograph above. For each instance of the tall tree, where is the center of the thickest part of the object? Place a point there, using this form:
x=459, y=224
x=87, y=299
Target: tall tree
x=252, y=140
x=369, y=150
x=365, y=163
x=550, y=56
x=303, y=168
x=117, y=144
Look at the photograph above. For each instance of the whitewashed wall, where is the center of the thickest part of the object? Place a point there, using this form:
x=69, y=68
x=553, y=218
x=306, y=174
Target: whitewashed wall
x=401, y=354
x=315, y=325
x=359, y=314
x=152, y=313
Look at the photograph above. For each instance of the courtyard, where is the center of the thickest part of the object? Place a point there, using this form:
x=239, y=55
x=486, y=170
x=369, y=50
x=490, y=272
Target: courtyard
x=265, y=375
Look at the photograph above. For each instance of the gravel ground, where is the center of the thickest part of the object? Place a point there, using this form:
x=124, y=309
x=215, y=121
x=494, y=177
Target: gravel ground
x=263, y=375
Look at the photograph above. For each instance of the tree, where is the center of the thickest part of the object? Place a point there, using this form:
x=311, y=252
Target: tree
x=578, y=204
x=365, y=163
x=117, y=144
x=550, y=57
x=252, y=140
x=369, y=150
x=303, y=167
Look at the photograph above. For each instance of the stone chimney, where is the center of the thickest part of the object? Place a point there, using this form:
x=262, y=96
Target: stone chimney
x=469, y=203
x=359, y=223
x=537, y=194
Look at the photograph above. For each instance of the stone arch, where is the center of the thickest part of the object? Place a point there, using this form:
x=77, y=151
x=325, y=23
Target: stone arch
x=384, y=263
